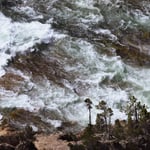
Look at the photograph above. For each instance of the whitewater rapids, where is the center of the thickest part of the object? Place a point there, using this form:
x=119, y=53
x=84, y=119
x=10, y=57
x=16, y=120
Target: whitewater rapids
x=79, y=33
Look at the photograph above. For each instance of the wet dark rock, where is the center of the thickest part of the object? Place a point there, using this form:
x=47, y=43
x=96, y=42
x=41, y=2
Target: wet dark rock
x=14, y=138
x=16, y=118
x=117, y=146
x=69, y=137
x=136, y=4
x=70, y=27
x=107, y=145
x=41, y=66
x=143, y=142
x=111, y=145
x=133, y=55
x=10, y=3
x=5, y=146
x=11, y=81
x=134, y=47
x=7, y=9
x=76, y=146
x=97, y=146
x=9, y=140
x=78, y=31
x=28, y=145
x=131, y=146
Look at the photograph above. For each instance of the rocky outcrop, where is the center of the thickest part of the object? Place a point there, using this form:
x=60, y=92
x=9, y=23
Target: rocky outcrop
x=10, y=3
x=11, y=81
x=40, y=66
x=28, y=145
x=112, y=145
x=16, y=118
x=134, y=48
x=47, y=142
x=5, y=146
x=11, y=139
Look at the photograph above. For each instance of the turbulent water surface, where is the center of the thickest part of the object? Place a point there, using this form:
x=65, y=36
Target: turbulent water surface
x=56, y=53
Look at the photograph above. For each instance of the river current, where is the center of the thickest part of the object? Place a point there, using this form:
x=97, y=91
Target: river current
x=77, y=40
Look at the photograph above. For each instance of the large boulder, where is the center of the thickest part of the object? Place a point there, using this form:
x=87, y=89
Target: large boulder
x=26, y=146
x=10, y=3
x=5, y=146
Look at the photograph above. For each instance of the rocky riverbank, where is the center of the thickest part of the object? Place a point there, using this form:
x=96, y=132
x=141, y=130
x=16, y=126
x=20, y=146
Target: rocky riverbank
x=25, y=140
x=130, y=134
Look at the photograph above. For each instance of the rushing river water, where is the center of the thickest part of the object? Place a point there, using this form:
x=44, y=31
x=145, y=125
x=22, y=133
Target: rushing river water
x=67, y=50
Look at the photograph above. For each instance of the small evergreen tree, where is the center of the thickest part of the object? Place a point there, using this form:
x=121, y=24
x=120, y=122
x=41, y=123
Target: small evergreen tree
x=103, y=107
x=143, y=113
x=110, y=113
x=89, y=106
x=137, y=115
x=100, y=123
x=104, y=117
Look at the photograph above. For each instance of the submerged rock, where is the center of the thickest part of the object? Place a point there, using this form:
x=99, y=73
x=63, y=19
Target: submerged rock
x=11, y=81
x=132, y=55
x=40, y=66
x=16, y=118
x=134, y=48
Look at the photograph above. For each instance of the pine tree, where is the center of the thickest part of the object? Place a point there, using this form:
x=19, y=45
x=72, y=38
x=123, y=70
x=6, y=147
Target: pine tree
x=102, y=106
x=89, y=106
x=104, y=115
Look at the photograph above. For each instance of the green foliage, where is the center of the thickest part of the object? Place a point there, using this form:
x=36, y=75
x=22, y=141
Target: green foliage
x=100, y=123
x=118, y=130
x=143, y=114
x=137, y=115
x=88, y=103
x=88, y=133
x=130, y=124
x=103, y=134
x=76, y=146
x=135, y=110
x=104, y=118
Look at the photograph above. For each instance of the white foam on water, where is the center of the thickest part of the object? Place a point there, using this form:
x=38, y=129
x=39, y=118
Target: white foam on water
x=56, y=96
x=13, y=100
x=3, y=61
x=65, y=101
x=84, y=3
x=20, y=37
x=90, y=68
x=88, y=13
x=141, y=17
x=106, y=32
x=91, y=18
x=1, y=116
x=55, y=123
x=34, y=128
